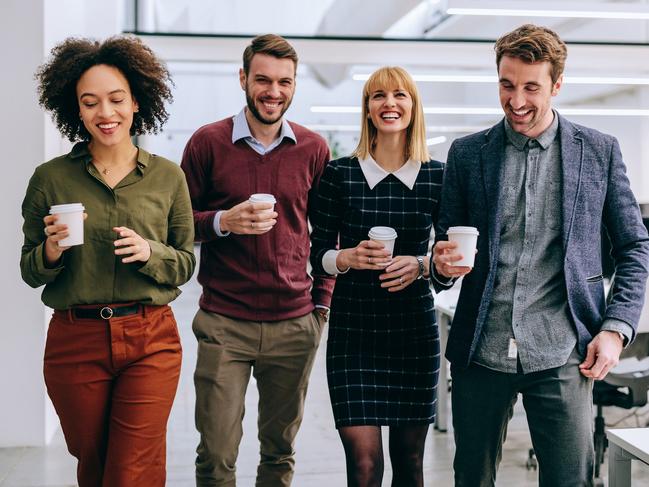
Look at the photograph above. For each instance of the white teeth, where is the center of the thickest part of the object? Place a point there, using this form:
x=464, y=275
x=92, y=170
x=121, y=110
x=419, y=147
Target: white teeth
x=107, y=125
x=271, y=105
x=521, y=113
x=390, y=116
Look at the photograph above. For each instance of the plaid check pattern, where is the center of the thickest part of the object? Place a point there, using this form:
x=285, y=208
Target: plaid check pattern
x=383, y=348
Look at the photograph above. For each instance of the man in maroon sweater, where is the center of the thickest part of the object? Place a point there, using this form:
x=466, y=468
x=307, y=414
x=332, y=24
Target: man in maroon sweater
x=260, y=311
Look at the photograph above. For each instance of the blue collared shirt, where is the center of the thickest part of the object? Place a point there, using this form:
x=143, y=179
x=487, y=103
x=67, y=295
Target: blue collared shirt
x=241, y=130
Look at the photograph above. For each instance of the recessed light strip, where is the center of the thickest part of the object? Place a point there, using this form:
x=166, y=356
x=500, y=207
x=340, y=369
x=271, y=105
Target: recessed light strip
x=444, y=129
x=575, y=14
x=476, y=78
x=436, y=140
x=605, y=112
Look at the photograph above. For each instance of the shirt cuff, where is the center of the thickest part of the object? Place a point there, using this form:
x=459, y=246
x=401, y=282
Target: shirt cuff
x=41, y=266
x=438, y=278
x=217, y=225
x=329, y=263
x=611, y=324
x=322, y=306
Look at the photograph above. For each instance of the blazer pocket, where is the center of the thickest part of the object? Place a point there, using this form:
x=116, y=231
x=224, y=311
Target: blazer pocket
x=596, y=278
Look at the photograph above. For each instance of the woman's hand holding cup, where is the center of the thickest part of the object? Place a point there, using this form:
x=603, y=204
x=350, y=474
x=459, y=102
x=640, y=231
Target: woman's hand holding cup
x=367, y=255
x=55, y=232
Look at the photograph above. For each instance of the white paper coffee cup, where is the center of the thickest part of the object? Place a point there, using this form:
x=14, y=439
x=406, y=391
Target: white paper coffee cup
x=385, y=235
x=263, y=198
x=70, y=214
x=467, y=238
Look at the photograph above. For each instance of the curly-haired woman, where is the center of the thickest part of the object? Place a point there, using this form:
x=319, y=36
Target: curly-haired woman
x=112, y=357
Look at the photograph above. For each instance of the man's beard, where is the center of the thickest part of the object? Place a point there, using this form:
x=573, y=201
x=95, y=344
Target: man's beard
x=253, y=109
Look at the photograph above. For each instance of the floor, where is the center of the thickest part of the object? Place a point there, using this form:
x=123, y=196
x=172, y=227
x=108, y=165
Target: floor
x=320, y=459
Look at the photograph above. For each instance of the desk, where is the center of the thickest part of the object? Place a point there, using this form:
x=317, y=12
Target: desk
x=444, y=311
x=625, y=444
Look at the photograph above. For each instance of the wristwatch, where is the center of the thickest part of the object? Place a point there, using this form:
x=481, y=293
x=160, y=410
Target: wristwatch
x=422, y=269
x=323, y=312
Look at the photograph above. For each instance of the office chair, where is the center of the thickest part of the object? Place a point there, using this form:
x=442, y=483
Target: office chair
x=625, y=387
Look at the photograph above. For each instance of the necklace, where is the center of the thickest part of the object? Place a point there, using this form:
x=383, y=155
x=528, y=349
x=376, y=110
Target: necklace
x=103, y=169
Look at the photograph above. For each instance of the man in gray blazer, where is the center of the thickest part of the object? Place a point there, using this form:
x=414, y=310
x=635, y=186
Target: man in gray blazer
x=532, y=318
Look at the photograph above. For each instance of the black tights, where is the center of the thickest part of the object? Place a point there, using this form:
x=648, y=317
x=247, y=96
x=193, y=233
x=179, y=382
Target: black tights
x=364, y=455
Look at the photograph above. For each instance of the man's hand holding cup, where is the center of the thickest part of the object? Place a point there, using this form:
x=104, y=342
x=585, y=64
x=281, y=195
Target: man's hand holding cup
x=254, y=216
x=454, y=258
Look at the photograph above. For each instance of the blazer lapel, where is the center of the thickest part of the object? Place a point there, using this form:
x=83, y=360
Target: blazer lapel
x=571, y=167
x=493, y=154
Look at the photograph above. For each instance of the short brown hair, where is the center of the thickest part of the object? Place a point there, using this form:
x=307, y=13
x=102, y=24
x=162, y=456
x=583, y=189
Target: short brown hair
x=270, y=44
x=532, y=43
x=148, y=79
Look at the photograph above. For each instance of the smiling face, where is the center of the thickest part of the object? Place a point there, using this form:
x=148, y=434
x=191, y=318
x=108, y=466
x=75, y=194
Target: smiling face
x=390, y=110
x=106, y=105
x=526, y=91
x=269, y=87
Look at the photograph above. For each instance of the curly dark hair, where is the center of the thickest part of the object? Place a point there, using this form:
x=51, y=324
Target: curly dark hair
x=147, y=76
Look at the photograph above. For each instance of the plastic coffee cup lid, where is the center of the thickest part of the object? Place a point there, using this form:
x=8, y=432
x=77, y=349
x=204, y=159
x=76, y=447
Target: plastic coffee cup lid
x=262, y=198
x=382, y=233
x=464, y=230
x=66, y=208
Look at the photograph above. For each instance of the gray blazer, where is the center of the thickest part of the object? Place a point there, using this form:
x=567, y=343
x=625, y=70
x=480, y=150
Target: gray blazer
x=596, y=192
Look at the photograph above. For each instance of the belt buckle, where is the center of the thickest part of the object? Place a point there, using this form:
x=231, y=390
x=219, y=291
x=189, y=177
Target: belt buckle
x=106, y=312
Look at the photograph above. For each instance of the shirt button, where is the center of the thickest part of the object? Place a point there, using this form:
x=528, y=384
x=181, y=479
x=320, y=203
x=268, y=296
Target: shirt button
x=529, y=213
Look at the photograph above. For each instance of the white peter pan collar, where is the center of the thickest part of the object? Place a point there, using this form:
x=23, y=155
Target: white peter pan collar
x=374, y=173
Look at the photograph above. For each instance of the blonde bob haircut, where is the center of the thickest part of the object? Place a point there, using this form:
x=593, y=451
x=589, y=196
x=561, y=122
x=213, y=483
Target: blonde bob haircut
x=391, y=78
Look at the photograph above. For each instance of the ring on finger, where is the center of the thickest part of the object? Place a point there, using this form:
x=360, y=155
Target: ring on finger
x=46, y=230
x=369, y=260
x=252, y=224
x=401, y=280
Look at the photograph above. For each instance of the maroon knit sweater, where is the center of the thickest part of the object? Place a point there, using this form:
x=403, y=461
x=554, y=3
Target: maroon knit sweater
x=256, y=277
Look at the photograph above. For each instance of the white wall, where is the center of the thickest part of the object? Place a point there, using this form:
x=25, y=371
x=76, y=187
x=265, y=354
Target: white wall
x=22, y=408
x=28, y=30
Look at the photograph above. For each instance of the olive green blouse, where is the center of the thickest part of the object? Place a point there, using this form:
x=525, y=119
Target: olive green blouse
x=153, y=200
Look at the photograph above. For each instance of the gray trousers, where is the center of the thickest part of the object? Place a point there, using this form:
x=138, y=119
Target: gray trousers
x=558, y=404
x=280, y=355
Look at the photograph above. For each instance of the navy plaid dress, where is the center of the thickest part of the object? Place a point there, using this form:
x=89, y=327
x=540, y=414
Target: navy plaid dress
x=383, y=348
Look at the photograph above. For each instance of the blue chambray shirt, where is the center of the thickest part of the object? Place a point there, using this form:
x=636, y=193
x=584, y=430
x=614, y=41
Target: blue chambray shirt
x=529, y=300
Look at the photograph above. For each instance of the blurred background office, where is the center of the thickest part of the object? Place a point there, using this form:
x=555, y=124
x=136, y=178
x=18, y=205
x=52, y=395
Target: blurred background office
x=447, y=45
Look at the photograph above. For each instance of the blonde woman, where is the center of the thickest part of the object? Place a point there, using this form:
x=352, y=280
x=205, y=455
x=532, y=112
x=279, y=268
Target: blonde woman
x=383, y=345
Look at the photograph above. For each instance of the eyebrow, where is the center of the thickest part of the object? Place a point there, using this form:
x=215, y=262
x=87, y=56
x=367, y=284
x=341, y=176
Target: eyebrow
x=505, y=80
x=111, y=93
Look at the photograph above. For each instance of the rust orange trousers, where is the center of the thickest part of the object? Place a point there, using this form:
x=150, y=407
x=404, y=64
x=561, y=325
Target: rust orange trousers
x=112, y=383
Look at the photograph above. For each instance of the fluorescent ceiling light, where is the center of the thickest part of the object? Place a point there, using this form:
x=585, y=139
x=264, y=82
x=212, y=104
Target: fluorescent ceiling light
x=436, y=140
x=444, y=129
x=485, y=78
x=554, y=9
x=582, y=111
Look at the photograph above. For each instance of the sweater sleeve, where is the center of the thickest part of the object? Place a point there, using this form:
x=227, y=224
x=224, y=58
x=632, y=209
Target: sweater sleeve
x=196, y=165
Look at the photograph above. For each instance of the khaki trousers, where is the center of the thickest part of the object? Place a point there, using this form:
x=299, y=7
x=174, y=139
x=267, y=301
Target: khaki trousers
x=280, y=355
x=112, y=383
